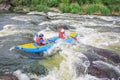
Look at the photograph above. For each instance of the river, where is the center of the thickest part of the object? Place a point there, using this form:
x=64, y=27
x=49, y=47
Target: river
x=96, y=35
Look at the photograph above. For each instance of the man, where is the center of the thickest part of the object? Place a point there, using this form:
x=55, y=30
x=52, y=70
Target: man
x=62, y=33
x=40, y=40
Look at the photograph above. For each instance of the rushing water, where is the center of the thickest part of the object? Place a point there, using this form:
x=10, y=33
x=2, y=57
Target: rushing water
x=68, y=61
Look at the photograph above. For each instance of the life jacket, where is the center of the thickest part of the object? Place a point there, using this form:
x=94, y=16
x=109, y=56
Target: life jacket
x=39, y=40
x=61, y=33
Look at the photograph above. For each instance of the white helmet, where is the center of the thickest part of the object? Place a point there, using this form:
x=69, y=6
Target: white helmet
x=62, y=30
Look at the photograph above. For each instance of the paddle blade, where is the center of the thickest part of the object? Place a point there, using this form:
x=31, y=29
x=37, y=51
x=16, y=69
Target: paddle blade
x=73, y=34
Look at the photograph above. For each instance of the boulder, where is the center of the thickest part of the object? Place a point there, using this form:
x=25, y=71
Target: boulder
x=102, y=62
x=101, y=72
x=110, y=55
x=94, y=54
x=5, y=7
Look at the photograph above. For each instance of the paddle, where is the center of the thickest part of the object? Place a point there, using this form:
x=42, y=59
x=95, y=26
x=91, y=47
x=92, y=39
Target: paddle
x=74, y=35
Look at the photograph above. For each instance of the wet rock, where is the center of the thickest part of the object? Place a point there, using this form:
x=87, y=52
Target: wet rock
x=8, y=77
x=36, y=68
x=103, y=63
x=108, y=54
x=94, y=54
x=101, y=72
x=47, y=17
x=66, y=27
x=57, y=26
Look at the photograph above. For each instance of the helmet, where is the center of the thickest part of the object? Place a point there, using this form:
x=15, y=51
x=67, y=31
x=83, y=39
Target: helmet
x=62, y=30
x=41, y=35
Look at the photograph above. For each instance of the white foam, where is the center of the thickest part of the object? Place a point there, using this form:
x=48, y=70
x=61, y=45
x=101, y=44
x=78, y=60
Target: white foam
x=39, y=13
x=101, y=39
x=21, y=76
x=70, y=67
x=54, y=14
x=21, y=18
x=8, y=30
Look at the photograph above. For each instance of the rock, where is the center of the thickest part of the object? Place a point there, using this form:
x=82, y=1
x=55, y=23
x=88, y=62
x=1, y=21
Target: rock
x=5, y=7
x=8, y=77
x=110, y=55
x=103, y=63
x=101, y=72
x=94, y=54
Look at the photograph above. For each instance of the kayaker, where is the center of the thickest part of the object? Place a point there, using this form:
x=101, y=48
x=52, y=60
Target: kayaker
x=36, y=35
x=40, y=40
x=62, y=33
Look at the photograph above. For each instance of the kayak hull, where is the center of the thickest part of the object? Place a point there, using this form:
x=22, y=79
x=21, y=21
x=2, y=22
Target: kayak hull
x=34, y=48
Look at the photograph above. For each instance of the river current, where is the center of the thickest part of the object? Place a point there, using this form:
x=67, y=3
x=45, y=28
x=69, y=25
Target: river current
x=98, y=36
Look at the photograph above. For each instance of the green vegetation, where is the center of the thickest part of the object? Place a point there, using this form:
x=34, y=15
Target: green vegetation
x=75, y=8
x=39, y=8
x=99, y=7
x=0, y=1
x=64, y=7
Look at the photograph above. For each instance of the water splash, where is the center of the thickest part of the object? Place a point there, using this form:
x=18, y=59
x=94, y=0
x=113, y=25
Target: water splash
x=101, y=39
x=74, y=64
x=20, y=75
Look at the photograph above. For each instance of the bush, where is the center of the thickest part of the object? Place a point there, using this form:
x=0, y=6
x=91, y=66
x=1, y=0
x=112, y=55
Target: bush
x=105, y=11
x=65, y=1
x=98, y=9
x=35, y=2
x=14, y=3
x=75, y=8
x=92, y=9
x=52, y=3
x=1, y=1
x=115, y=8
x=97, y=1
x=39, y=8
x=24, y=2
x=113, y=5
x=64, y=8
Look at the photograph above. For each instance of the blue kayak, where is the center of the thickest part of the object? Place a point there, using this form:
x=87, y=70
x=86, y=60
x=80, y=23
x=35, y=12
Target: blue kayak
x=34, y=48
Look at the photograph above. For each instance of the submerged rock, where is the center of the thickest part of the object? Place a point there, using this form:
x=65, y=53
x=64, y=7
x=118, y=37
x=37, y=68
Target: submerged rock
x=36, y=68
